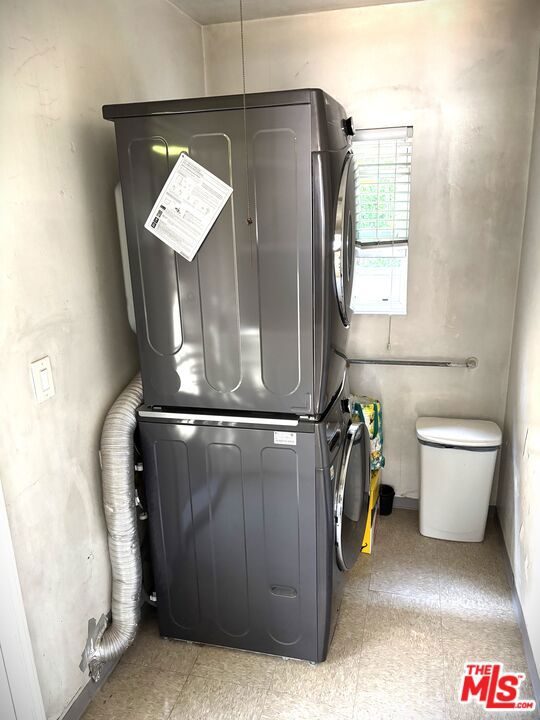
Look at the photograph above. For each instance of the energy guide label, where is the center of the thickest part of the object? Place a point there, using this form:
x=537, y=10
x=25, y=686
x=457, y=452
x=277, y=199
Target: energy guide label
x=187, y=207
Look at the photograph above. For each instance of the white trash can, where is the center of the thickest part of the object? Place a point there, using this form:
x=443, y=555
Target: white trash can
x=457, y=462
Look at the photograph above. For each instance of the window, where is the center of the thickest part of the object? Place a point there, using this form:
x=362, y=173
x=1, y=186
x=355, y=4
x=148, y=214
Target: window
x=382, y=163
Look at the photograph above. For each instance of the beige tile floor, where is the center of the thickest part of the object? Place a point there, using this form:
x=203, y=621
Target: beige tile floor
x=412, y=615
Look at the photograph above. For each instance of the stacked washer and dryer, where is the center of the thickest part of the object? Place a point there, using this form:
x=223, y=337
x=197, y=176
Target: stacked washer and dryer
x=256, y=476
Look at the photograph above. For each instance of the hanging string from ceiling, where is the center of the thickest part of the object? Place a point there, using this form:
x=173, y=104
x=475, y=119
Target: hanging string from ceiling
x=249, y=219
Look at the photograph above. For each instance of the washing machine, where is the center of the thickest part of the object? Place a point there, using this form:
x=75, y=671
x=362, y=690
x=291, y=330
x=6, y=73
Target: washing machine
x=254, y=522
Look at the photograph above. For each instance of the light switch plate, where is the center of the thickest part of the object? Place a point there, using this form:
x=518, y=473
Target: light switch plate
x=42, y=379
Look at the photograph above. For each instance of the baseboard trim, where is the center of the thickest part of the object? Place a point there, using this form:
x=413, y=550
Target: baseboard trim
x=406, y=503
x=529, y=657
x=85, y=696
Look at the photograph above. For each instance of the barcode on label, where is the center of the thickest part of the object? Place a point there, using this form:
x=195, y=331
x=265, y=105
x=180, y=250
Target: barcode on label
x=284, y=438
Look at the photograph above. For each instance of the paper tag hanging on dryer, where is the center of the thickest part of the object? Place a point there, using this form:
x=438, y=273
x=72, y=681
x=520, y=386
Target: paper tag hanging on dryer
x=187, y=207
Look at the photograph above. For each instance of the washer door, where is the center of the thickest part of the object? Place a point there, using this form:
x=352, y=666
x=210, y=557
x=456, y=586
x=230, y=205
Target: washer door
x=344, y=238
x=352, y=495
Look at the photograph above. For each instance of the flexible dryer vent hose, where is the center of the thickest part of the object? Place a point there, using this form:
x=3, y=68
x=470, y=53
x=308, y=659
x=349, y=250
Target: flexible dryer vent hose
x=105, y=643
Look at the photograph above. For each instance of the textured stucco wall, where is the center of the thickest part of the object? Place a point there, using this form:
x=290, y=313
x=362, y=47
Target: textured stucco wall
x=61, y=290
x=519, y=493
x=464, y=75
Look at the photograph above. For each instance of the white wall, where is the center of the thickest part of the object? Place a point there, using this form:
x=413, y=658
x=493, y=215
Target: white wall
x=464, y=75
x=61, y=289
x=519, y=496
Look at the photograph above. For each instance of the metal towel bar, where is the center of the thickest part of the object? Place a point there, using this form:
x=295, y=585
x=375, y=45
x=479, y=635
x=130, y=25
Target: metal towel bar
x=471, y=362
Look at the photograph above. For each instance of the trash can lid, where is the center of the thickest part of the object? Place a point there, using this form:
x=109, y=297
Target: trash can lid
x=458, y=433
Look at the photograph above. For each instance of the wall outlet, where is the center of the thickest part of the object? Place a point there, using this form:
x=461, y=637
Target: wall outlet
x=42, y=379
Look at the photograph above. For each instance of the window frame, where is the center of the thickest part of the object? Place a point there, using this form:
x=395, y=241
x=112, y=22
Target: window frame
x=368, y=248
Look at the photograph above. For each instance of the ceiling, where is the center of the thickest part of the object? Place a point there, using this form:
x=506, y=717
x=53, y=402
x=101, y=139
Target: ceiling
x=208, y=12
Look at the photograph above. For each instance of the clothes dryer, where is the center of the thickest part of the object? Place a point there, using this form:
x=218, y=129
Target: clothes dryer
x=257, y=322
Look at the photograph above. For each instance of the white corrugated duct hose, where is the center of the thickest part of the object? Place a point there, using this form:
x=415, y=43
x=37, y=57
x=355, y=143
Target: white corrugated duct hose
x=117, y=463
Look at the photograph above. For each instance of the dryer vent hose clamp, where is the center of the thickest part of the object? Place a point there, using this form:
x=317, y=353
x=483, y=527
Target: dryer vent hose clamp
x=105, y=641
